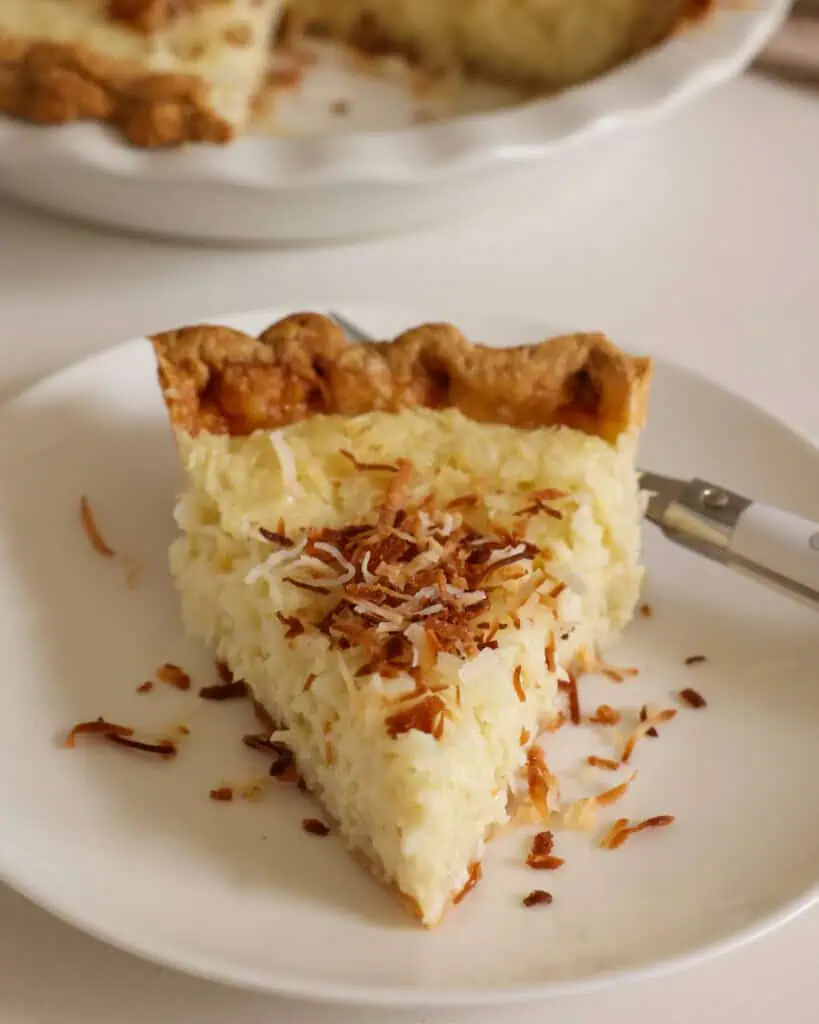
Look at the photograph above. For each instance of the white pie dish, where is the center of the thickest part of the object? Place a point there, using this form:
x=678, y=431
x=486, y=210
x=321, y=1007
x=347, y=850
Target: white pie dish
x=334, y=184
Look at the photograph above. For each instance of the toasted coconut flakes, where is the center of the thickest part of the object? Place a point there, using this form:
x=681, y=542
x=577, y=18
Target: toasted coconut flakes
x=475, y=875
x=549, y=863
x=516, y=682
x=433, y=609
x=646, y=611
x=426, y=715
x=283, y=765
x=620, y=831
x=554, y=513
x=543, y=843
x=692, y=698
x=92, y=530
x=524, y=737
x=368, y=576
x=275, y=537
x=395, y=495
x=308, y=682
x=556, y=722
x=542, y=784
x=223, y=794
x=416, y=592
x=285, y=555
x=526, y=590
x=642, y=729
x=549, y=494
x=164, y=748
x=182, y=730
x=224, y=691
x=348, y=570
x=611, y=796
x=603, y=762
x=537, y=898
x=556, y=591
x=315, y=827
x=652, y=732
x=582, y=813
x=174, y=676
x=263, y=716
x=507, y=556
x=605, y=715
x=145, y=687
x=695, y=659
x=293, y=627
x=551, y=662
x=540, y=856
x=574, y=701
x=614, y=835
x=466, y=597
x=313, y=588
x=98, y=727
x=617, y=673
x=464, y=501
x=373, y=467
x=658, y=821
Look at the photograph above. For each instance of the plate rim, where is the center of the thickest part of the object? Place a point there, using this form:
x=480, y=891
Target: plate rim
x=645, y=89
x=400, y=997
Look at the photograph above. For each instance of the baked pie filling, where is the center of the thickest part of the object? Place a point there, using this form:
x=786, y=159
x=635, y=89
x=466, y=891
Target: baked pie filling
x=164, y=72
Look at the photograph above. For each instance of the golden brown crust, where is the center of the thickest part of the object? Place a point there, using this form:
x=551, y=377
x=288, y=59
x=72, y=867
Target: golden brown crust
x=148, y=15
x=55, y=83
x=219, y=380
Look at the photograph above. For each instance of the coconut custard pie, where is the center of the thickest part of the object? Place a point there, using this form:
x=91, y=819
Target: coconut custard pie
x=403, y=548
x=169, y=71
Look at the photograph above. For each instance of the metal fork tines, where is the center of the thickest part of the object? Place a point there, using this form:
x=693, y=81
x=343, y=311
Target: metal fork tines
x=353, y=333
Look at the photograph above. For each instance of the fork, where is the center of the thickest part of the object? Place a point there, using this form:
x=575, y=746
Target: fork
x=774, y=547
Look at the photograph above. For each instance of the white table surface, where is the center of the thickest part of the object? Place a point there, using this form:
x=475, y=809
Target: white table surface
x=700, y=241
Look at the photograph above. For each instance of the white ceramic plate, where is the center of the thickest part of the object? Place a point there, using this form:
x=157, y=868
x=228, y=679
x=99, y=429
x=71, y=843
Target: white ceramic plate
x=135, y=853
x=373, y=170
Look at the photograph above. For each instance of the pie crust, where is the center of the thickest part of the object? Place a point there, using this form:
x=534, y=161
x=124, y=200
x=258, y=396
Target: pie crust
x=56, y=83
x=222, y=381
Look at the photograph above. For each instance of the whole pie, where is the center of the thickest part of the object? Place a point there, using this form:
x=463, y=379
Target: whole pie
x=170, y=71
x=405, y=549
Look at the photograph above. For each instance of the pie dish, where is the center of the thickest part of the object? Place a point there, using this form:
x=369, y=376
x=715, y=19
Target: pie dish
x=375, y=170
x=164, y=73
x=406, y=622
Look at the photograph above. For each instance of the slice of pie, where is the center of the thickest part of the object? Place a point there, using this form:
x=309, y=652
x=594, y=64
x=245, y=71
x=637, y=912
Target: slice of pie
x=403, y=548
x=170, y=71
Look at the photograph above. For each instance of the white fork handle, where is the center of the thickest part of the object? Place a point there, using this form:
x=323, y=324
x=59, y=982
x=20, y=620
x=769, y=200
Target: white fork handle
x=773, y=546
x=779, y=543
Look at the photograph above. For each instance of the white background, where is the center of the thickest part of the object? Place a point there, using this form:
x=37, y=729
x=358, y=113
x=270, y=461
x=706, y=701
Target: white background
x=697, y=240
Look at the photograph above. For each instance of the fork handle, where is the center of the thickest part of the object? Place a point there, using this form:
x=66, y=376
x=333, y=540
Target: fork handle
x=784, y=546
x=775, y=547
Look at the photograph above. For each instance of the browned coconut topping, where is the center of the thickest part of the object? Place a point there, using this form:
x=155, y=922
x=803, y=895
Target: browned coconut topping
x=416, y=582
